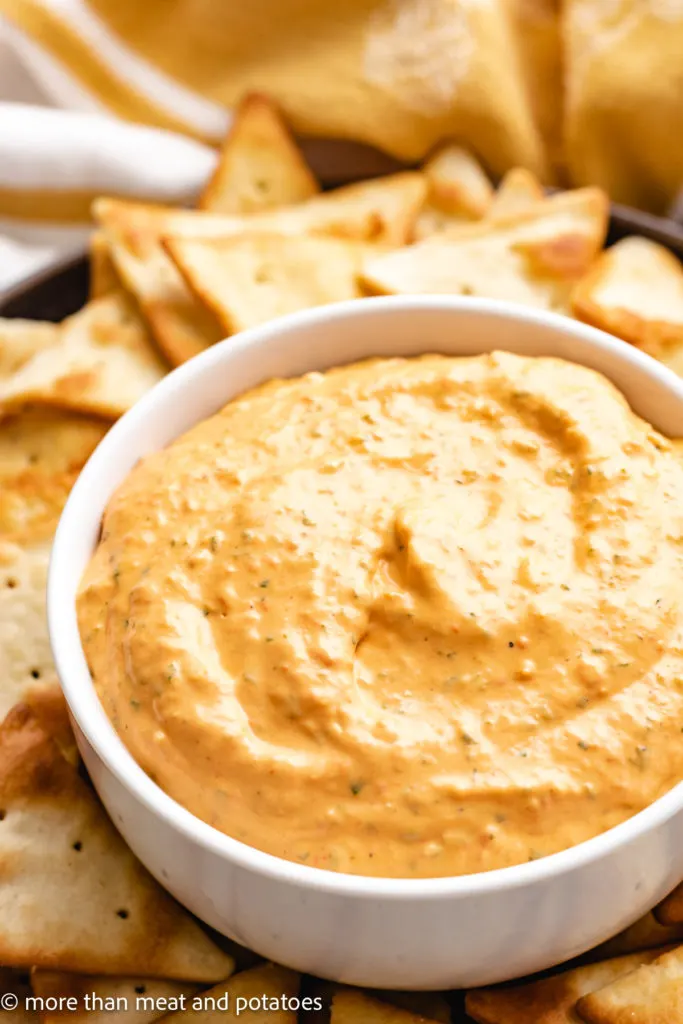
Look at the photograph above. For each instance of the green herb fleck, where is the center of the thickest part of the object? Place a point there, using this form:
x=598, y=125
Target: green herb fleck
x=213, y=543
x=356, y=787
x=583, y=745
x=264, y=583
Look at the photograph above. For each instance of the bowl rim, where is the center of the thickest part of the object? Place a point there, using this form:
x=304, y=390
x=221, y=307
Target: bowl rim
x=100, y=734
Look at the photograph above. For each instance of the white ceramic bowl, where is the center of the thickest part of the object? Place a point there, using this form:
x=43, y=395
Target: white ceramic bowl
x=400, y=933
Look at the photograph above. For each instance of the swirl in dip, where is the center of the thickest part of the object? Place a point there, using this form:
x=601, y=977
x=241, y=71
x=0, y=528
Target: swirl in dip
x=406, y=618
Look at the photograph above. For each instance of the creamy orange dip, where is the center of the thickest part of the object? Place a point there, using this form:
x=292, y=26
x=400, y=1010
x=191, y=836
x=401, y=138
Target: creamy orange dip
x=405, y=618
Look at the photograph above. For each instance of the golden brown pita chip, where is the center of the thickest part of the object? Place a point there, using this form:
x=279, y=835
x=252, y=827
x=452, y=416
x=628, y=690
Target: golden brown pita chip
x=42, y=451
x=22, y=339
x=351, y=1006
x=100, y=999
x=670, y=910
x=249, y=279
x=457, y=182
x=260, y=165
x=651, y=995
x=534, y=257
x=635, y=290
x=645, y=933
x=17, y=983
x=270, y=985
x=73, y=896
x=101, y=363
x=551, y=1000
x=432, y=1005
x=518, y=190
x=103, y=276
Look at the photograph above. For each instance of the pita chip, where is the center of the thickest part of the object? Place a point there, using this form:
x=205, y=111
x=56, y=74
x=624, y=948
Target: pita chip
x=518, y=190
x=249, y=279
x=551, y=1000
x=102, y=361
x=20, y=340
x=534, y=257
x=645, y=933
x=457, y=182
x=72, y=895
x=260, y=165
x=269, y=984
x=351, y=1006
x=635, y=290
x=103, y=276
x=126, y=1000
x=18, y=984
x=653, y=994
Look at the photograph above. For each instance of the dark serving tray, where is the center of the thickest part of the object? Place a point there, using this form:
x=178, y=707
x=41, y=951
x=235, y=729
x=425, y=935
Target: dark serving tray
x=62, y=289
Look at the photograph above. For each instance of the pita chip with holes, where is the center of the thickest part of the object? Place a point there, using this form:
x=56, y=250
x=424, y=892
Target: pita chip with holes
x=136, y=1000
x=635, y=290
x=72, y=895
x=534, y=257
x=18, y=983
x=653, y=994
x=102, y=361
x=518, y=190
x=271, y=982
x=383, y=210
x=260, y=165
x=551, y=1000
x=249, y=279
x=103, y=276
x=351, y=1006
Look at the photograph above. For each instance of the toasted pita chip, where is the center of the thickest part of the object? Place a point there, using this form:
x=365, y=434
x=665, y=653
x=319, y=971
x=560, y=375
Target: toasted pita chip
x=670, y=910
x=260, y=165
x=645, y=933
x=17, y=983
x=42, y=451
x=518, y=190
x=102, y=361
x=384, y=210
x=125, y=1000
x=103, y=276
x=457, y=182
x=432, y=1005
x=651, y=995
x=267, y=984
x=350, y=1006
x=432, y=221
x=249, y=279
x=73, y=896
x=551, y=1000
x=22, y=339
x=532, y=258
x=635, y=290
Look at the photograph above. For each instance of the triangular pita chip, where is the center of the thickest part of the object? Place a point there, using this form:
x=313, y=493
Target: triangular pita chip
x=383, y=210
x=72, y=895
x=635, y=290
x=518, y=190
x=249, y=279
x=103, y=276
x=22, y=339
x=124, y=1000
x=645, y=933
x=457, y=183
x=432, y=1005
x=651, y=995
x=532, y=258
x=351, y=1006
x=260, y=165
x=18, y=984
x=670, y=910
x=551, y=1000
x=102, y=361
x=268, y=984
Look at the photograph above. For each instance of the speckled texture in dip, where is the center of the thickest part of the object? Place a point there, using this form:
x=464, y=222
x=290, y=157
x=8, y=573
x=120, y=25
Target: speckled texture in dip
x=406, y=618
